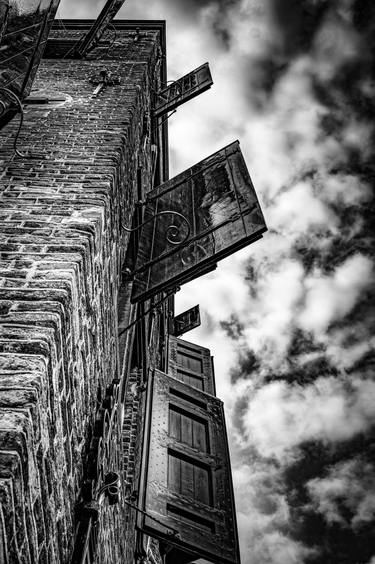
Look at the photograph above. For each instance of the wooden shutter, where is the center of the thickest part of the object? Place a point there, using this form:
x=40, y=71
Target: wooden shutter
x=191, y=364
x=188, y=485
x=195, y=219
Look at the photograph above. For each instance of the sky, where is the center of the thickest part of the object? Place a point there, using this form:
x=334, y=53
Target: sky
x=289, y=319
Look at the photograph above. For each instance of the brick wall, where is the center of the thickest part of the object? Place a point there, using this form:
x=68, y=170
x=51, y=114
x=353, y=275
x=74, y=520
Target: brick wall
x=62, y=247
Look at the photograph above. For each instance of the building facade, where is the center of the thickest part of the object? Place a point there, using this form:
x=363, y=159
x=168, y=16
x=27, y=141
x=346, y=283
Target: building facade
x=113, y=446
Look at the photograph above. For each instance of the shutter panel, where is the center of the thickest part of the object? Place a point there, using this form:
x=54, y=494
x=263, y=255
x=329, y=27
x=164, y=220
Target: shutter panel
x=188, y=479
x=191, y=364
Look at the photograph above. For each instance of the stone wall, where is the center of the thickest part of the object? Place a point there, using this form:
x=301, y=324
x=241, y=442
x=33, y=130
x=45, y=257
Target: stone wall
x=62, y=246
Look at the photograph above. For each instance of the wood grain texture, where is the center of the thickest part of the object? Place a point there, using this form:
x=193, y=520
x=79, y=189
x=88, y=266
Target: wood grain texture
x=189, y=486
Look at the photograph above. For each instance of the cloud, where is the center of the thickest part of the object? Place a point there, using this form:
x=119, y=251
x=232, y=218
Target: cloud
x=346, y=494
x=264, y=517
x=294, y=82
x=270, y=321
x=330, y=298
x=280, y=416
x=298, y=210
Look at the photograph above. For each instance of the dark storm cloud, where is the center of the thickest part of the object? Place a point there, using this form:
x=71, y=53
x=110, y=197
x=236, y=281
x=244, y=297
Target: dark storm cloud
x=297, y=22
x=332, y=495
x=232, y=327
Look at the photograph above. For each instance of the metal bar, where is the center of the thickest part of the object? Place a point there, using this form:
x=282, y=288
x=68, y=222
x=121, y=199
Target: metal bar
x=13, y=79
x=82, y=543
x=92, y=37
x=146, y=312
x=176, y=532
x=17, y=54
x=34, y=58
x=153, y=242
x=18, y=30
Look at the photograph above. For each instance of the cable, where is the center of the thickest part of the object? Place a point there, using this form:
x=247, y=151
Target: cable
x=147, y=311
x=175, y=532
x=20, y=107
x=164, y=120
x=112, y=42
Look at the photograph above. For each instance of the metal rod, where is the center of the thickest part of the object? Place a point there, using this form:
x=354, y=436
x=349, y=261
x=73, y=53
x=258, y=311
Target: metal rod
x=175, y=531
x=147, y=312
x=17, y=54
x=18, y=30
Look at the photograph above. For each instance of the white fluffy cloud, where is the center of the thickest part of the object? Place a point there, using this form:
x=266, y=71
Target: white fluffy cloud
x=330, y=298
x=270, y=314
x=349, y=485
x=281, y=416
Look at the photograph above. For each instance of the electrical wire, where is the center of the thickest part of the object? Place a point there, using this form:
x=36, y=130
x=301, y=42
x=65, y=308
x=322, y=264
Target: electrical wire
x=162, y=122
x=174, y=531
x=113, y=41
x=168, y=295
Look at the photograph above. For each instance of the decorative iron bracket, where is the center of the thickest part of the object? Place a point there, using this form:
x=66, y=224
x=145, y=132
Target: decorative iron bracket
x=172, y=235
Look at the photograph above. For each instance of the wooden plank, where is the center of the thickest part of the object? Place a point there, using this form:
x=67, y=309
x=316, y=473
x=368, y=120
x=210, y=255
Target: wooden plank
x=193, y=381
x=202, y=487
x=189, y=361
x=174, y=473
x=186, y=430
x=187, y=479
x=174, y=424
x=199, y=432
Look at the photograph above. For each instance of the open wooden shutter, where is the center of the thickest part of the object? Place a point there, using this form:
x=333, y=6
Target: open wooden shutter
x=188, y=486
x=191, y=364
